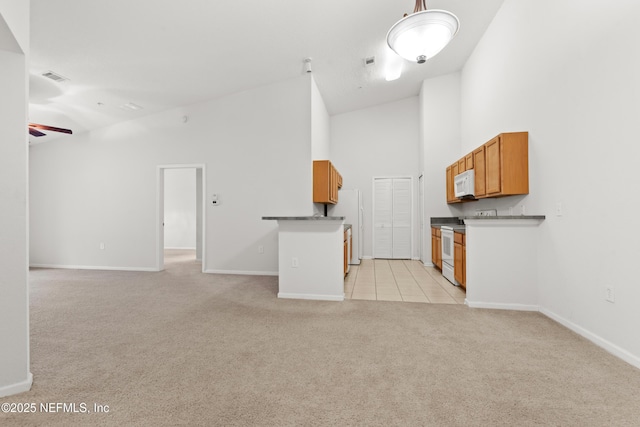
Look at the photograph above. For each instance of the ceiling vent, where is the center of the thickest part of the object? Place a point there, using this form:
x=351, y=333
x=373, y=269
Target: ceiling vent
x=55, y=77
x=130, y=106
x=369, y=61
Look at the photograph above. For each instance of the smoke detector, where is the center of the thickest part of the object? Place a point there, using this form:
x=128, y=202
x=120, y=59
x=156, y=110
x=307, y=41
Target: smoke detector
x=369, y=61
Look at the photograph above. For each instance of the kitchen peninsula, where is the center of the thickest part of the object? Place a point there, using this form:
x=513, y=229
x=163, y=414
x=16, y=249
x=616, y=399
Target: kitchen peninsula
x=310, y=257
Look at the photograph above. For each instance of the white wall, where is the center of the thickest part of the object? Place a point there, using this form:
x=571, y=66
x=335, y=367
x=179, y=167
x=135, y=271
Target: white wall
x=101, y=186
x=14, y=302
x=440, y=143
x=180, y=208
x=567, y=72
x=320, y=125
x=377, y=141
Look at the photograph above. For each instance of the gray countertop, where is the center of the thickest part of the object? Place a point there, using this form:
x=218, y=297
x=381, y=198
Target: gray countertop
x=304, y=218
x=457, y=223
x=538, y=217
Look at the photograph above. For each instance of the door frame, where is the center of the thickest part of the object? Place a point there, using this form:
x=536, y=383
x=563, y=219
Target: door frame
x=160, y=211
x=373, y=212
x=421, y=219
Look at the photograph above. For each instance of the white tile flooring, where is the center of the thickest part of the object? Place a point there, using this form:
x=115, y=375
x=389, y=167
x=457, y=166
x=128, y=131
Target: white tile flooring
x=400, y=280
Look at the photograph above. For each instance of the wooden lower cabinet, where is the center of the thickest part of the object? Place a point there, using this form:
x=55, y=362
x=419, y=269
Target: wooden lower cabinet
x=436, y=247
x=459, y=259
x=345, y=254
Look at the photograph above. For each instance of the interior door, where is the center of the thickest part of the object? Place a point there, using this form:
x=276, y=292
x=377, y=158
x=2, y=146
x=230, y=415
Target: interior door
x=383, y=218
x=401, y=219
x=392, y=218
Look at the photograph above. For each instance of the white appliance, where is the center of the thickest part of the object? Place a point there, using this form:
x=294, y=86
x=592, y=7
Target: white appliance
x=446, y=235
x=350, y=206
x=464, y=184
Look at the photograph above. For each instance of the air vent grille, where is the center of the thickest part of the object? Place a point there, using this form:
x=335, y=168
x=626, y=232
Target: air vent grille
x=54, y=76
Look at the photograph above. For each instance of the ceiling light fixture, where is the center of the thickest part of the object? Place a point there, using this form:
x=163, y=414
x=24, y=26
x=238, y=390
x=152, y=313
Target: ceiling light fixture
x=424, y=33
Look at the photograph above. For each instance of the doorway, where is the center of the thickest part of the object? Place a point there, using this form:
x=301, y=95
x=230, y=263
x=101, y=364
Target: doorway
x=180, y=215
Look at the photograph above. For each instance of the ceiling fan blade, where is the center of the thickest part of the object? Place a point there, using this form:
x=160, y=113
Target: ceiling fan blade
x=34, y=132
x=51, y=128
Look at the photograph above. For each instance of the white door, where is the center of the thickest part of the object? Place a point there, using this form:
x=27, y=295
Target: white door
x=392, y=218
x=383, y=218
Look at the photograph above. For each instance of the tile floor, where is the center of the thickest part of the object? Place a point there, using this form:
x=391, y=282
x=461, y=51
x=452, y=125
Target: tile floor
x=400, y=280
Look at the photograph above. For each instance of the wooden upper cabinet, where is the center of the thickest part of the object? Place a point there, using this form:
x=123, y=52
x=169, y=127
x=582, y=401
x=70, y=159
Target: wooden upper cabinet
x=468, y=160
x=462, y=165
x=492, y=163
x=507, y=164
x=501, y=167
x=479, y=174
x=326, y=181
x=452, y=171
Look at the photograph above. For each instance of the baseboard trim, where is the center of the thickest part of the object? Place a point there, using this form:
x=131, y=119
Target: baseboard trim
x=597, y=340
x=243, y=272
x=367, y=257
x=501, y=306
x=92, y=267
x=16, y=388
x=311, y=296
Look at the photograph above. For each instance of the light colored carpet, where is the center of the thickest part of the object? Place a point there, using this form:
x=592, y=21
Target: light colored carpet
x=184, y=348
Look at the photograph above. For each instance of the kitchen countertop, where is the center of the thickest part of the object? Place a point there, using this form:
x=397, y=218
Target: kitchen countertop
x=304, y=218
x=504, y=217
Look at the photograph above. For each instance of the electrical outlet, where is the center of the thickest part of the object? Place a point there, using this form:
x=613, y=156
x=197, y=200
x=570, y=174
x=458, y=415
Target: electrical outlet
x=102, y=246
x=294, y=262
x=610, y=293
x=260, y=249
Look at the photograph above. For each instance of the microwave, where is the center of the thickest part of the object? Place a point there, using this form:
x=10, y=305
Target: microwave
x=464, y=185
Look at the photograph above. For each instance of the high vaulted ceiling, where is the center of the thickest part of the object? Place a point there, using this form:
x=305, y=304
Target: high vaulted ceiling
x=161, y=54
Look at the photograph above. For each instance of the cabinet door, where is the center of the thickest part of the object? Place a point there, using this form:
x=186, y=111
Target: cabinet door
x=344, y=256
x=439, y=252
x=462, y=165
x=479, y=174
x=464, y=263
x=449, y=185
x=458, y=262
x=452, y=171
x=468, y=161
x=492, y=162
x=434, y=241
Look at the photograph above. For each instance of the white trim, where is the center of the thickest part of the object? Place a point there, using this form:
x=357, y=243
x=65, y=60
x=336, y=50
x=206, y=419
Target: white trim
x=428, y=264
x=367, y=257
x=311, y=296
x=503, y=306
x=92, y=267
x=16, y=388
x=242, y=272
x=597, y=340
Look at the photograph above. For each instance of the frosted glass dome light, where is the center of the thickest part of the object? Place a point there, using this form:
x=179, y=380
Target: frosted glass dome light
x=424, y=33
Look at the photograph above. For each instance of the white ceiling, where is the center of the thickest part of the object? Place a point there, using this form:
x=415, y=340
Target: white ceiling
x=165, y=54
